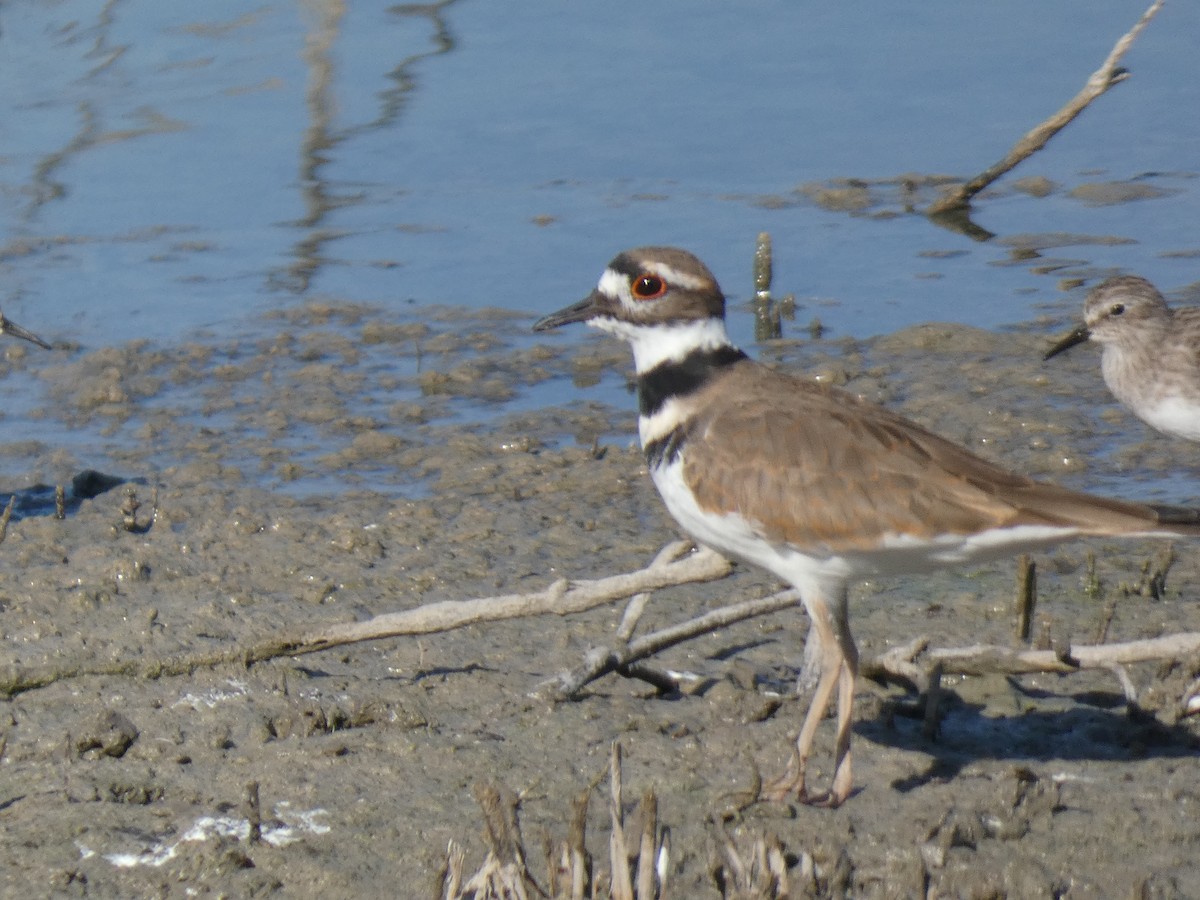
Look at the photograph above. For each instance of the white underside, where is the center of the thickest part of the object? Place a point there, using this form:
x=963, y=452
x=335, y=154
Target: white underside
x=1173, y=415
x=818, y=571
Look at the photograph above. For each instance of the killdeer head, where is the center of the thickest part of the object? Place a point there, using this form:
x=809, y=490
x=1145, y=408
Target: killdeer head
x=662, y=300
x=811, y=483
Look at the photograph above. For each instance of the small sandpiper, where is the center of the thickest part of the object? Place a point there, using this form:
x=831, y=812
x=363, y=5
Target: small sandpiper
x=1151, y=356
x=812, y=483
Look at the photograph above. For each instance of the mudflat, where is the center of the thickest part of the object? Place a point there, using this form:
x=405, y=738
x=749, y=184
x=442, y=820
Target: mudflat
x=325, y=471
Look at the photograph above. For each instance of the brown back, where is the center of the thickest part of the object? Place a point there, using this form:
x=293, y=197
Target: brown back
x=821, y=468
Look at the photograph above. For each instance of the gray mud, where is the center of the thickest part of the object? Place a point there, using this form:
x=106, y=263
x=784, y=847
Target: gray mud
x=401, y=469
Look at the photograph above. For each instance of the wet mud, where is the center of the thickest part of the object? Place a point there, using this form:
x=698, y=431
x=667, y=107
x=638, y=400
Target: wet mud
x=338, y=464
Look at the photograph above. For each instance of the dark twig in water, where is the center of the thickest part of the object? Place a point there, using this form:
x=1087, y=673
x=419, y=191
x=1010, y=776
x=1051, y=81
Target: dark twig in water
x=5, y=517
x=1109, y=74
x=1026, y=596
x=769, y=313
x=767, y=324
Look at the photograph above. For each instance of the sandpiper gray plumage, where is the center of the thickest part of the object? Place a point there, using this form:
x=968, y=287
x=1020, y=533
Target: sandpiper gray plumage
x=8, y=326
x=812, y=483
x=1151, y=352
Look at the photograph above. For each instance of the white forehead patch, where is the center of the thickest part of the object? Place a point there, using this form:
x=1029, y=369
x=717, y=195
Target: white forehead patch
x=614, y=284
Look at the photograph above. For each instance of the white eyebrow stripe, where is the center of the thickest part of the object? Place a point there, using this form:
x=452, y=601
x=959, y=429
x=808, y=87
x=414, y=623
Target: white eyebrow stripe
x=674, y=276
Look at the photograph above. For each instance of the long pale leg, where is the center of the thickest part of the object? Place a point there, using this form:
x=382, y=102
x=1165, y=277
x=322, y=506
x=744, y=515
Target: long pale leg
x=843, y=781
x=832, y=630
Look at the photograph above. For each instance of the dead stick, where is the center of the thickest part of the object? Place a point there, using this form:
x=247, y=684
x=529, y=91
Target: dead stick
x=933, y=697
x=580, y=865
x=561, y=598
x=646, y=880
x=254, y=813
x=618, y=847
x=1026, y=596
x=1100, y=81
x=5, y=516
x=983, y=659
x=632, y=615
x=667, y=570
x=602, y=660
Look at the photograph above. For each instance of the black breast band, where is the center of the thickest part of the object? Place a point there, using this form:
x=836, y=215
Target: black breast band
x=678, y=379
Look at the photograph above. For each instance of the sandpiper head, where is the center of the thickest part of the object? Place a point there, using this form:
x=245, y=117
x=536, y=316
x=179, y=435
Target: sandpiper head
x=7, y=326
x=646, y=286
x=1113, y=309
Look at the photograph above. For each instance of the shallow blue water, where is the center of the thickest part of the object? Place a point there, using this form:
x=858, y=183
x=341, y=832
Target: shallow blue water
x=173, y=167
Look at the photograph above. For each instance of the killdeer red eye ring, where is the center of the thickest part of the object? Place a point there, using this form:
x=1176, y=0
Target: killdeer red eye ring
x=648, y=287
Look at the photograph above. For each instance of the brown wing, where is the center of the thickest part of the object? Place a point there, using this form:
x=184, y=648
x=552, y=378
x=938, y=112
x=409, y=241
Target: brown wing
x=850, y=472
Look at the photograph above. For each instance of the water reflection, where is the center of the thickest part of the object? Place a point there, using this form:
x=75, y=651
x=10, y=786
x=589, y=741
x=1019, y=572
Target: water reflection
x=322, y=137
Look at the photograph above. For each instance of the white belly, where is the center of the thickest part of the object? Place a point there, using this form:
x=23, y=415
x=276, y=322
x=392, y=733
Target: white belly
x=1174, y=415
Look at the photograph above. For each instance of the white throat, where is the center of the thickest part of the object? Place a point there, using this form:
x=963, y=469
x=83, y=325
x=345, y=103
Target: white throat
x=667, y=342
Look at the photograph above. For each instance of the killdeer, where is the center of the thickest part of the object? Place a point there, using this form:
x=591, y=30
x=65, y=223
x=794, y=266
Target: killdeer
x=812, y=483
x=7, y=326
x=1151, y=356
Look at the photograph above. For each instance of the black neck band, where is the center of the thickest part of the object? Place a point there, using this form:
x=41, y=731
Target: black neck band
x=678, y=379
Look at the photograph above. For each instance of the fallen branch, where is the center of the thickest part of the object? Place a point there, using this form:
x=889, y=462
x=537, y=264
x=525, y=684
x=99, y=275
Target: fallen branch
x=911, y=663
x=674, y=565
x=1109, y=74
x=670, y=567
x=599, y=661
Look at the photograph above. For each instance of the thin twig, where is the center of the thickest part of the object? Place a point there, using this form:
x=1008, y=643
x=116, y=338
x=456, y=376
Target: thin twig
x=1101, y=80
x=1026, y=595
x=618, y=847
x=5, y=516
x=254, y=812
x=601, y=660
x=632, y=615
x=933, y=697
